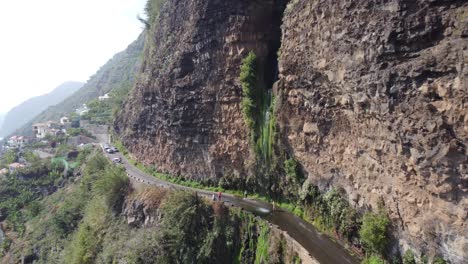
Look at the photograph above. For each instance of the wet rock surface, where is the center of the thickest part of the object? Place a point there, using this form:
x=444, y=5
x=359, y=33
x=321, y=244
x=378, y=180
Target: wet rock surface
x=373, y=99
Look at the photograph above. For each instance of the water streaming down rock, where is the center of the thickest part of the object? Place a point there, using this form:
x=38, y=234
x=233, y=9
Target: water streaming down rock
x=267, y=128
x=271, y=74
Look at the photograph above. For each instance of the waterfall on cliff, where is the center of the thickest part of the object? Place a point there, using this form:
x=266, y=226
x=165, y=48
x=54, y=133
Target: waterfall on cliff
x=267, y=128
x=271, y=72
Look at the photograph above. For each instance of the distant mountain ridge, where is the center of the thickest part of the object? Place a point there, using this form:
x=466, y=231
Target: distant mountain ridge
x=26, y=111
x=117, y=74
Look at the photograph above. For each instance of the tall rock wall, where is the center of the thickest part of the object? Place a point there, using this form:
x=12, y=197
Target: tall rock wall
x=184, y=115
x=371, y=97
x=374, y=100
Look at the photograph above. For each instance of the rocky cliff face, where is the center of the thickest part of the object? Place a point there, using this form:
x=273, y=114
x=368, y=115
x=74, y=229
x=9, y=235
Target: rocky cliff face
x=373, y=99
x=184, y=114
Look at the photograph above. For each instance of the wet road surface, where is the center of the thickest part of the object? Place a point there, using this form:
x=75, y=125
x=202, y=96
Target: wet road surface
x=319, y=246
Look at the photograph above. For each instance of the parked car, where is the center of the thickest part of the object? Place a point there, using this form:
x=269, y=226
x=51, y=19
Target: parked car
x=110, y=151
x=117, y=160
x=105, y=147
x=114, y=149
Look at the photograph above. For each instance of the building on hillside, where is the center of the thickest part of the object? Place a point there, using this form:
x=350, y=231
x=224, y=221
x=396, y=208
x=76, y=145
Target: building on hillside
x=15, y=166
x=17, y=141
x=82, y=110
x=65, y=121
x=104, y=97
x=41, y=130
x=53, y=125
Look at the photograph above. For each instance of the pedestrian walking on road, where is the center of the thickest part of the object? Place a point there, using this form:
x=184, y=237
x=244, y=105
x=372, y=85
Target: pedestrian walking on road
x=219, y=196
x=245, y=194
x=213, y=197
x=274, y=206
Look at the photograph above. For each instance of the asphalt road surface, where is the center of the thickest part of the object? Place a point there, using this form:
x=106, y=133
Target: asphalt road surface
x=319, y=246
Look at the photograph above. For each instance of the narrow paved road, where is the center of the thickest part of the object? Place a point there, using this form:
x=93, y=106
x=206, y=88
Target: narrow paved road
x=319, y=246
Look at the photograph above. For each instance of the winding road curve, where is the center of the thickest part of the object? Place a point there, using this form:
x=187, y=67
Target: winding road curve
x=319, y=246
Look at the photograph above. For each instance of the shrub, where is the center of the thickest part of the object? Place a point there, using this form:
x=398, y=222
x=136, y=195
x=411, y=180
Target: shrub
x=439, y=260
x=33, y=209
x=10, y=156
x=96, y=164
x=291, y=167
x=113, y=186
x=87, y=241
x=374, y=230
x=66, y=218
x=374, y=259
x=408, y=257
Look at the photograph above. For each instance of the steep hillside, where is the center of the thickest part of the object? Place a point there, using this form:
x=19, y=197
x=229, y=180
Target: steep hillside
x=117, y=75
x=369, y=98
x=25, y=112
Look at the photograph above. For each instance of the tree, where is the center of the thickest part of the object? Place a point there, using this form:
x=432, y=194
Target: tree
x=374, y=231
x=10, y=156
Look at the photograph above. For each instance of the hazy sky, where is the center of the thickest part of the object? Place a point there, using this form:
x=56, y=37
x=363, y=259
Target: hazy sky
x=47, y=42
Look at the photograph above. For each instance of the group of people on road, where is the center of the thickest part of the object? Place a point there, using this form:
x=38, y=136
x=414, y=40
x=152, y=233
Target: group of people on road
x=213, y=197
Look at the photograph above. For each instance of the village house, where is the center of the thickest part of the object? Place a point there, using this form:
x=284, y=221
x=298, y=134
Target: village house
x=17, y=141
x=41, y=130
x=104, y=97
x=82, y=110
x=65, y=121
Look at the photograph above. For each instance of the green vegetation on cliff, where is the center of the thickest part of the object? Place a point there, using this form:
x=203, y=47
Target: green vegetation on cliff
x=257, y=106
x=152, y=9
x=250, y=92
x=374, y=231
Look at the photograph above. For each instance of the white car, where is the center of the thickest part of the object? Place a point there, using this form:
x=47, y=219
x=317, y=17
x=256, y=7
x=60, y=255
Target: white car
x=117, y=160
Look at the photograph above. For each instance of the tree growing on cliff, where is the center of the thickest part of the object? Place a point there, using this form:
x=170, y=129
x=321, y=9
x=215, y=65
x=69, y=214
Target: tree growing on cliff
x=152, y=10
x=374, y=231
x=248, y=80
